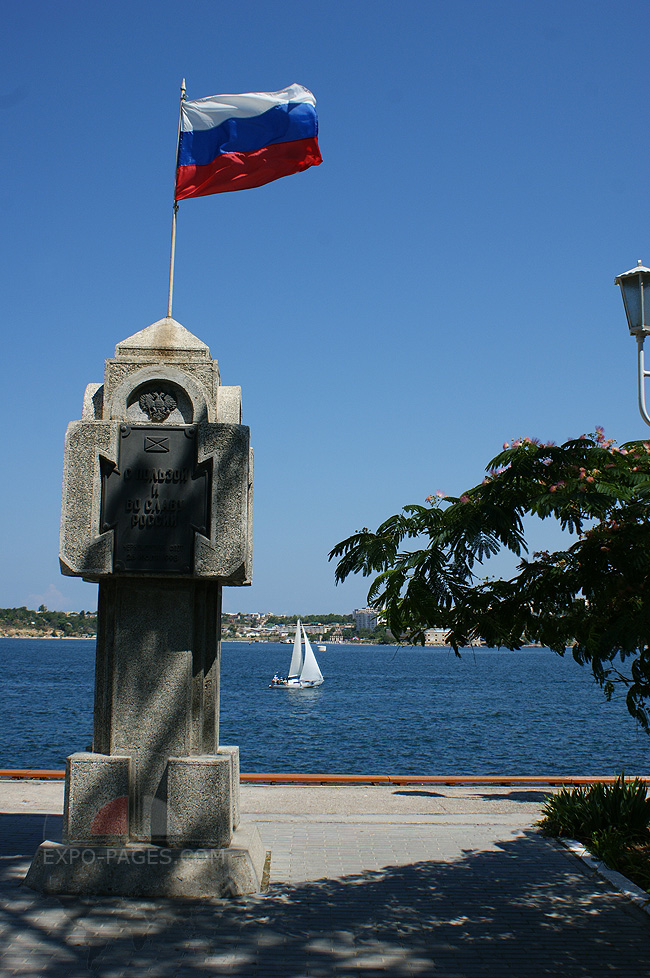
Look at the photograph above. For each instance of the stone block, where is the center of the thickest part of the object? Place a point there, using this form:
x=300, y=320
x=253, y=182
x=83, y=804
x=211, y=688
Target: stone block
x=96, y=806
x=227, y=552
x=199, y=800
x=93, y=403
x=233, y=753
x=83, y=550
x=142, y=870
x=156, y=684
x=229, y=405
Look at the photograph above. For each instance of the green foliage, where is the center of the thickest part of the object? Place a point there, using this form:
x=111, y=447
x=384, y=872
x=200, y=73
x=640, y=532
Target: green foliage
x=610, y=845
x=632, y=860
x=611, y=814
x=330, y=619
x=593, y=597
x=44, y=621
x=613, y=821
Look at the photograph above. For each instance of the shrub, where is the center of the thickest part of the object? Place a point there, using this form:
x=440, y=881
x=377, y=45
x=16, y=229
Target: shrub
x=630, y=859
x=605, y=812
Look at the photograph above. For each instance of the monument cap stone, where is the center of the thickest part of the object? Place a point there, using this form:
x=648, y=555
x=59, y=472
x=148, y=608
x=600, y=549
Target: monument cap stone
x=165, y=334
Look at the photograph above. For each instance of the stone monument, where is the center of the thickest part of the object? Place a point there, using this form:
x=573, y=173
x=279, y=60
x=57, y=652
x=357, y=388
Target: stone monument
x=157, y=508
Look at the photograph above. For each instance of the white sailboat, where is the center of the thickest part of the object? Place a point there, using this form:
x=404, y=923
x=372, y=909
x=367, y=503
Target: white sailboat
x=304, y=672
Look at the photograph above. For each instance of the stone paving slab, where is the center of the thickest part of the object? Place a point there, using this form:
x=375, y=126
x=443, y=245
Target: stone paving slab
x=410, y=800
x=467, y=891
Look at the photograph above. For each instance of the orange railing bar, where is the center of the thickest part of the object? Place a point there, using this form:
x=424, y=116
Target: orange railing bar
x=448, y=779
x=378, y=779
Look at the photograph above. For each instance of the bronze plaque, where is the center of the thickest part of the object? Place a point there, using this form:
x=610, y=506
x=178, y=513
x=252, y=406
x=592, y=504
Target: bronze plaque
x=155, y=500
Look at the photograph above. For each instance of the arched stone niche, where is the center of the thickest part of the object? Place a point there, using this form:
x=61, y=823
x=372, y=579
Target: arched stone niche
x=159, y=402
x=144, y=397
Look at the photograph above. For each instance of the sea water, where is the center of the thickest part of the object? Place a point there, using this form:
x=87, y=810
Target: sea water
x=381, y=710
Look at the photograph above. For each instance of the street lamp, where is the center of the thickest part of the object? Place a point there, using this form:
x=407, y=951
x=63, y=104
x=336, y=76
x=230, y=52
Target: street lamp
x=635, y=289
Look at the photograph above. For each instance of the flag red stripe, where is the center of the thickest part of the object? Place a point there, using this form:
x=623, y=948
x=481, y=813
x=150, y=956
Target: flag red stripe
x=241, y=171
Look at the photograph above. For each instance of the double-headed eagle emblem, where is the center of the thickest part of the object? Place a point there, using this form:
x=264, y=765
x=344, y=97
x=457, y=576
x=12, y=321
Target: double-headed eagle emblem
x=157, y=405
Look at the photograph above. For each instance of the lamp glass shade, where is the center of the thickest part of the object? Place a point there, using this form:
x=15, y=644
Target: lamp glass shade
x=635, y=288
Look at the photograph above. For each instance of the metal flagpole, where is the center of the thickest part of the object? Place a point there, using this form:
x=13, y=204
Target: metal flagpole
x=175, y=209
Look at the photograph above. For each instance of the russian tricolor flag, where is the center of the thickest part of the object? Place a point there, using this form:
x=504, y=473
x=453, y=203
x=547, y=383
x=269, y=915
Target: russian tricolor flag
x=234, y=142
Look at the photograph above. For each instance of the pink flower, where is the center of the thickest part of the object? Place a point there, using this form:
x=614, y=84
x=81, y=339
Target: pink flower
x=506, y=444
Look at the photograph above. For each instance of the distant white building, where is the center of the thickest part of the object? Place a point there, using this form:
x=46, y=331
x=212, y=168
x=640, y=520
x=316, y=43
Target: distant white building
x=435, y=636
x=365, y=618
x=439, y=636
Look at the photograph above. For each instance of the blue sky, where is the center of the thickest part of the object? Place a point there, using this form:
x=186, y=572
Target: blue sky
x=441, y=284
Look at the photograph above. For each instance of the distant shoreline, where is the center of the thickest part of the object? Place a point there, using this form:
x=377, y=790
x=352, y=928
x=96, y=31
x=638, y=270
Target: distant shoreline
x=26, y=633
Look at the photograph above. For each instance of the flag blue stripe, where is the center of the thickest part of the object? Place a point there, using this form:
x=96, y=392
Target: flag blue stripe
x=281, y=124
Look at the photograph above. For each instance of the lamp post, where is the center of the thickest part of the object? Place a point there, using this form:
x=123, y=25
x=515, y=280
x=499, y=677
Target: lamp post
x=635, y=289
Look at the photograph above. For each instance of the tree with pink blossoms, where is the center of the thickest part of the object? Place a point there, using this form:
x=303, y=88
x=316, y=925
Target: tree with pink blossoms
x=593, y=598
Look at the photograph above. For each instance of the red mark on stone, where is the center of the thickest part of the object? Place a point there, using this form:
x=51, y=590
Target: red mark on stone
x=112, y=818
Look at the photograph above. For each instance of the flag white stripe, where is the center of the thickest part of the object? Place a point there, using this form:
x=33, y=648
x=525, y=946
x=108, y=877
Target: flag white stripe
x=206, y=113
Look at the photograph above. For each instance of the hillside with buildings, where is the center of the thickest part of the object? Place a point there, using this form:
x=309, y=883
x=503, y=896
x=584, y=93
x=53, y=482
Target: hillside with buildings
x=362, y=625
x=25, y=623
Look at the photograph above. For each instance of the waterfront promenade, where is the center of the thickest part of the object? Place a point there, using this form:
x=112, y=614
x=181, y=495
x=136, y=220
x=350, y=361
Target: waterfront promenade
x=429, y=880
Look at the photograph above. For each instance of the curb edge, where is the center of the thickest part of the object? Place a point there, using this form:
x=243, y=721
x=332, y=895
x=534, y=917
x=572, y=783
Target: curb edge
x=634, y=893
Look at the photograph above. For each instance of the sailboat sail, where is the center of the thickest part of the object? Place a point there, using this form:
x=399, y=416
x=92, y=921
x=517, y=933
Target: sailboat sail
x=303, y=671
x=296, y=658
x=310, y=672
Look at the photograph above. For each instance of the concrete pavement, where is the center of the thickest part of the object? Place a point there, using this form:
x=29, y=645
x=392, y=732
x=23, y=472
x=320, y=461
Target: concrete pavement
x=415, y=880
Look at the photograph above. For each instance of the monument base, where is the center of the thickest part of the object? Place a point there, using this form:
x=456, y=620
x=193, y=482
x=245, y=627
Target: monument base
x=144, y=870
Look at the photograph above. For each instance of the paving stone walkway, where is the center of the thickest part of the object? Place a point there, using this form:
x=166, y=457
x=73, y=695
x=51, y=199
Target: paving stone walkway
x=453, y=884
